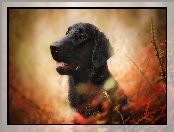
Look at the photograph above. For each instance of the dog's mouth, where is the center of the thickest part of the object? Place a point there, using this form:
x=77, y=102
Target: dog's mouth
x=63, y=65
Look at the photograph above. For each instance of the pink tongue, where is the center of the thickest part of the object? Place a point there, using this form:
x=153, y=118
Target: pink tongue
x=59, y=64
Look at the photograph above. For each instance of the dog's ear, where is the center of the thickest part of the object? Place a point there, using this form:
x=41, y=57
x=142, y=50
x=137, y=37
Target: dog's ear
x=102, y=49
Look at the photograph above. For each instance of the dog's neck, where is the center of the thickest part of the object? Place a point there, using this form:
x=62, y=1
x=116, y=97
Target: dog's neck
x=82, y=89
x=93, y=75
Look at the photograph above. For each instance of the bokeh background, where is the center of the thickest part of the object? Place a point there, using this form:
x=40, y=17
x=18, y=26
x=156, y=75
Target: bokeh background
x=38, y=94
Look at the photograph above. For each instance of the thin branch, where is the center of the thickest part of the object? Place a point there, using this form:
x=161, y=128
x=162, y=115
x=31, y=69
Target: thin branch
x=144, y=74
x=120, y=115
x=137, y=67
x=155, y=46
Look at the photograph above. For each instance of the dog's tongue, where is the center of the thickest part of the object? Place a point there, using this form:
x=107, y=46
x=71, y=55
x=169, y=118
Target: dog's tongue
x=60, y=64
x=72, y=66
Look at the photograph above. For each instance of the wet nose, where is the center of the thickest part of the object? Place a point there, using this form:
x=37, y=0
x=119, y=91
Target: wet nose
x=54, y=48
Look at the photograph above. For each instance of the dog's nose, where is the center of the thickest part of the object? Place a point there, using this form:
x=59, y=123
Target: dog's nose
x=54, y=48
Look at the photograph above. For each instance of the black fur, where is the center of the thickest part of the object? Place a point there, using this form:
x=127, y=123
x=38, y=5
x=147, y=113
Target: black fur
x=84, y=51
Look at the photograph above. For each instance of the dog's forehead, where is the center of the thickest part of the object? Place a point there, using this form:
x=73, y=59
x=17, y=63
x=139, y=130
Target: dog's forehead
x=81, y=27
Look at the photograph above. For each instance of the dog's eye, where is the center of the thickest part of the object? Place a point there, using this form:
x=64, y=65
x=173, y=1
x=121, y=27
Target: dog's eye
x=82, y=36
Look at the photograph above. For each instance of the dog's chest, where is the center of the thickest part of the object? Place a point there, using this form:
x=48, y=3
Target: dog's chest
x=86, y=98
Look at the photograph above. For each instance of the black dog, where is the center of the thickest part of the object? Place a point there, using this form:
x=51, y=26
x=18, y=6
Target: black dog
x=82, y=54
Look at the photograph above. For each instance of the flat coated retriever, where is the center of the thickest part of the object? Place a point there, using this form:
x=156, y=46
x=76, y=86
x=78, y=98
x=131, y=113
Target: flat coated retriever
x=82, y=55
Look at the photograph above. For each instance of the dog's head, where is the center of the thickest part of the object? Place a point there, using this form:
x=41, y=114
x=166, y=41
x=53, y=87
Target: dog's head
x=84, y=46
